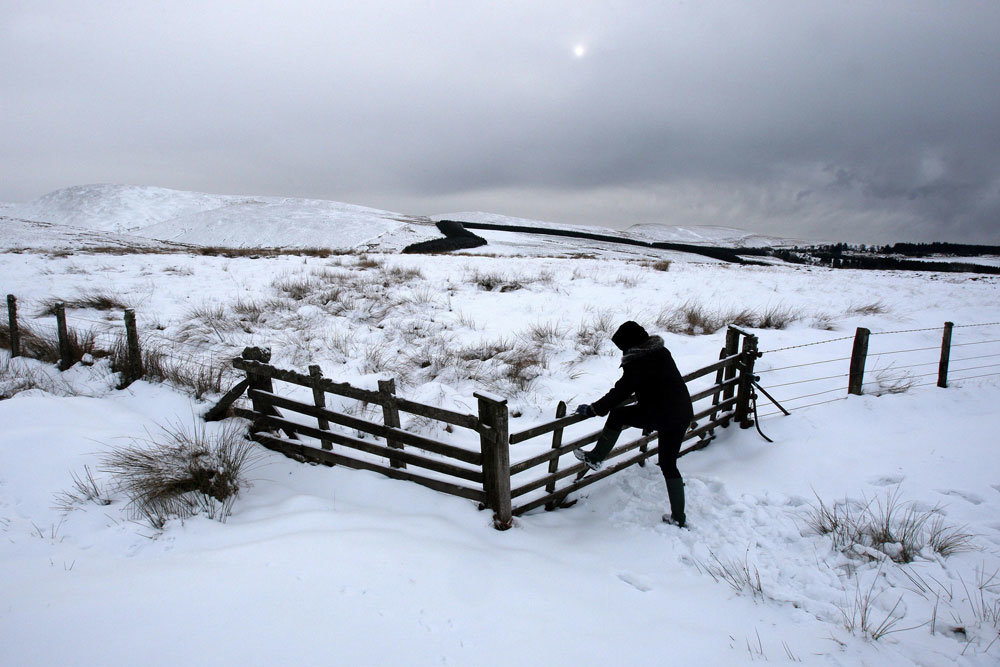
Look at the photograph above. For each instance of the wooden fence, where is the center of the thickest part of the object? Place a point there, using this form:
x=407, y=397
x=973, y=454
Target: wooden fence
x=485, y=473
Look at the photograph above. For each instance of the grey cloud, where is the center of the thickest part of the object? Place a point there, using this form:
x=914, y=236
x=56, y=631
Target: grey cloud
x=866, y=122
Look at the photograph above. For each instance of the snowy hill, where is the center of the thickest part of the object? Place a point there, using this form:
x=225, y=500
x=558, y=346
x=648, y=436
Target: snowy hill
x=708, y=235
x=17, y=234
x=206, y=219
x=196, y=218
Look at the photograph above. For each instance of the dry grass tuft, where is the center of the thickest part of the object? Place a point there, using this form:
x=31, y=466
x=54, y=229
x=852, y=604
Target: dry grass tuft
x=177, y=473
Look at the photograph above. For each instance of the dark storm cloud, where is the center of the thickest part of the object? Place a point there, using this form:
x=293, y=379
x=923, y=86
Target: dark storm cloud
x=868, y=121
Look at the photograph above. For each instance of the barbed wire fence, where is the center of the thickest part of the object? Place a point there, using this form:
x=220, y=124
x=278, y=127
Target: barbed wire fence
x=793, y=384
x=881, y=369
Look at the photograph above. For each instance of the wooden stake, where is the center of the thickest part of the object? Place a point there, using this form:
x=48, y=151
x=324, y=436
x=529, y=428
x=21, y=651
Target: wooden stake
x=15, y=333
x=496, y=459
x=390, y=415
x=133, y=362
x=744, y=388
x=858, y=357
x=732, y=347
x=65, y=353
x=319, y=398
x=945, y=355
x=554, y=463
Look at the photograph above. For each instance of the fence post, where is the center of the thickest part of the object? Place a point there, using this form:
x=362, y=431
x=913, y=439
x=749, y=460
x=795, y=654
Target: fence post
x=745, y=384
x=319, y=398
x=557, y=434
x=390, y=415
x=858, y=356
x=495, y=445
x=945, y=355
x=15, y=333
x=258, y=382
x=64, y=349
x=732, y=347
x=133, y=364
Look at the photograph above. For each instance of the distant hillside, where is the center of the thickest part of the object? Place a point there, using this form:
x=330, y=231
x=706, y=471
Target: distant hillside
x=223, y=220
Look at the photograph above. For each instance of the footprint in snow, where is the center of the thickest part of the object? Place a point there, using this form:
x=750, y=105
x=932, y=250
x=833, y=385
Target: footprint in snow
x=886, y=480
x=636, y=582
x=964, y=495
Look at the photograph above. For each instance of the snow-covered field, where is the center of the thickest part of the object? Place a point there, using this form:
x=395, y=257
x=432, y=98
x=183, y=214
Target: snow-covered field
x=332, y=566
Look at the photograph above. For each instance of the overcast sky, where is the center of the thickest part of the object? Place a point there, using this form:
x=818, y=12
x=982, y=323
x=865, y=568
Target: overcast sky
x=865, y=121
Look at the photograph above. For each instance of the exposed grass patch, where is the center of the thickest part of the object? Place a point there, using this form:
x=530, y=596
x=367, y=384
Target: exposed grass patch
x=296, y=287
x=593, y=332
x=886, y=527
x=873, y=308
x=496, y=282
x=545, y=333
x=740, y=575
x=176, y=473
x=200, y=377
x=94, y=299
x=692, y=318
x=85, y=489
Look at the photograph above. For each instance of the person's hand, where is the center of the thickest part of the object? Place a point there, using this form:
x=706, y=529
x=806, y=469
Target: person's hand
x=585, y=410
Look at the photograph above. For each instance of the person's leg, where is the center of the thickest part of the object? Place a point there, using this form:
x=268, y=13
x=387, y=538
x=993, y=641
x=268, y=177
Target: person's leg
x=670, y=439
x=618, y=420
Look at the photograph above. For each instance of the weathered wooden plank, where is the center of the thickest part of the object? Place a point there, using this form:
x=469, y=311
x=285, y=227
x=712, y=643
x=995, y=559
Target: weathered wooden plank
x=697, y=396
x=548, y=427
x=370, y=447
x=722, y=363
x=718, y=407
x=584, y=482
x=379, y=430
x=580, y=467
x=220, y=409
x=440, y=414
x=298, y=450
x=617, y=451
x=558, y=496
x=538, y=459
x=344, y=389
x=292, y=377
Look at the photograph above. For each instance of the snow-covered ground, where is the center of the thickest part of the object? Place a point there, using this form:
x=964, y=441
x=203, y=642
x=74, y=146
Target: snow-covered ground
x=333, y=566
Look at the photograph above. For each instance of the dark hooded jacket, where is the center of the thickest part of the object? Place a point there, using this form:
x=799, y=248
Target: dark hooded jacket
x=651, y=376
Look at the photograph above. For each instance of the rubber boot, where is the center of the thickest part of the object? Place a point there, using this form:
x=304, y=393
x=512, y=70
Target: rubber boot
x=675, y=492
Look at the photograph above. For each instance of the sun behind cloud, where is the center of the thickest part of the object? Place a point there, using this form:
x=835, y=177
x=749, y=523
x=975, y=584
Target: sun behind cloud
x=579, y=51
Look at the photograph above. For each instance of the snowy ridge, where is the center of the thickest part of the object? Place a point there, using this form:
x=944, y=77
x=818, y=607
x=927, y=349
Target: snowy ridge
x=206, y=219
x=17, y=234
